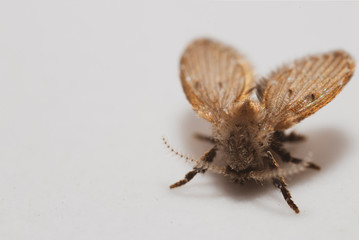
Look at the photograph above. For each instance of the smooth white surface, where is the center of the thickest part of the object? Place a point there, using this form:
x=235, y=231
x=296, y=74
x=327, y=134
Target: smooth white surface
x=89, y=87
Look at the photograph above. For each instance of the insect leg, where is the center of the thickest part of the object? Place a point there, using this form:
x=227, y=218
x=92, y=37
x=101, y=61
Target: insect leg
x=280, y=183
x=286, y=157
x=204, y=138
x=291, y=137
x=206, y=158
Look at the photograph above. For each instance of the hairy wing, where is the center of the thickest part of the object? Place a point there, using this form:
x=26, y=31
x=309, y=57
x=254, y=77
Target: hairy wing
x=296, y=91
x=214, y=78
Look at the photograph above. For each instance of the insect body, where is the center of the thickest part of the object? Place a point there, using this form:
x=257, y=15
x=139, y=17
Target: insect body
x=249, y=133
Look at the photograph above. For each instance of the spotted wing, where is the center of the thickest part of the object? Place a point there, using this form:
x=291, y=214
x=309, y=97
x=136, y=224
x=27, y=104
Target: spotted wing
x=296, y=91
x=214, y=78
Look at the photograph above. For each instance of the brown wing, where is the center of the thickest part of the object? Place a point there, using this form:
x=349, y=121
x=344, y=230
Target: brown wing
x=214, y=77
x=296, y=91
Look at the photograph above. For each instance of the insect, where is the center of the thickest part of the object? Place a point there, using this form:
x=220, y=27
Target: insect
x=249, y=131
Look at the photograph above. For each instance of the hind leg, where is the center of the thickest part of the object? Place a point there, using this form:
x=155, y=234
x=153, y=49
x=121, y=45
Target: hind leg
x=287, y=157
x=205, y=138
x=291, y=137
x=277, y=146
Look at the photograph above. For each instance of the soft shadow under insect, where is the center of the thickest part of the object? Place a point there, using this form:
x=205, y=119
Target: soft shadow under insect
x=326, y=144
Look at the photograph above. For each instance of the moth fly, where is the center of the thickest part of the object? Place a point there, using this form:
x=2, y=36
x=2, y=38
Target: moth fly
x=249, y=132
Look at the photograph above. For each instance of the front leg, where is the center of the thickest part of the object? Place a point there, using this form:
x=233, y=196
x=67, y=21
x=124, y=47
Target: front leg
x=206, y=158
x=280, y=183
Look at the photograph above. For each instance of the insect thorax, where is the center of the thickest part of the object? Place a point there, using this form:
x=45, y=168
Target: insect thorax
x=241, y=149
x=243, y=140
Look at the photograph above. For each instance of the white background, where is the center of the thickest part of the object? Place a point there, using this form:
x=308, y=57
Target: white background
x=87, y=89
